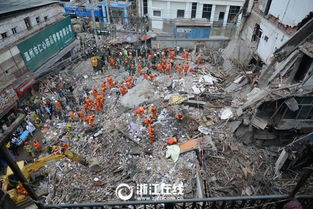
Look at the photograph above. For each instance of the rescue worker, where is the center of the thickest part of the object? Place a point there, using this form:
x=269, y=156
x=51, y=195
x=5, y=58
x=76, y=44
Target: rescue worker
x=29, y=149
x=139, y=111
x=37, y=146
x=123, y=89
x=186, y=68
x=58, y=106
x=168, y=68
x=90, y=119
x=171, y=141
x=99, y=102
x=159, y=67
x=72, y=115
x=81, y=114
x=153, y=111
x=179, y=69
x=94, y=93
x=151, y=132
x=180, y=116
x=103, y=88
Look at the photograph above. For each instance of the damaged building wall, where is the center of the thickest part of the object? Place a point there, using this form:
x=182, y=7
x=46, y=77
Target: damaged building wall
x=269, y=26
x=291, y=13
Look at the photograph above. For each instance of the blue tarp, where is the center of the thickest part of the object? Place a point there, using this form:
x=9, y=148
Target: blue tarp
x=22, y=137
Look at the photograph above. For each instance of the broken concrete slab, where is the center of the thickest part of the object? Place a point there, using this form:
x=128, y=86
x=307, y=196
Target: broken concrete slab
x=259, y=122
x=142, y=92
x=234, y=125
x=226, y=113
x=254, y=97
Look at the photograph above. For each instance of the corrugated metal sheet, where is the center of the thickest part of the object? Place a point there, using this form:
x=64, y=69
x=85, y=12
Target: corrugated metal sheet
x=192, y=32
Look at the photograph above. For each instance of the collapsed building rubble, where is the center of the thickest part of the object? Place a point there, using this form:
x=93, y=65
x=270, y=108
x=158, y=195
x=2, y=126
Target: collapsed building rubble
x=211, y=161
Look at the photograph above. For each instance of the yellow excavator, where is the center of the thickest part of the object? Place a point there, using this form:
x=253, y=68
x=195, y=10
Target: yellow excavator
x=15, y=189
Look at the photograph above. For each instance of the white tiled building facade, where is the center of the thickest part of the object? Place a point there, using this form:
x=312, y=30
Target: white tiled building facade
x=218, y=12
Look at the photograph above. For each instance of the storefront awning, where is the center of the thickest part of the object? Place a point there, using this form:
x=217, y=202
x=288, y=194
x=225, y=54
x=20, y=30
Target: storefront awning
x=25, y=86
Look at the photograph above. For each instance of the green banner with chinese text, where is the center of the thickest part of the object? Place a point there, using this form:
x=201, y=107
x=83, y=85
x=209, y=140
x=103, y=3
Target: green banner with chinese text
x=37, y=49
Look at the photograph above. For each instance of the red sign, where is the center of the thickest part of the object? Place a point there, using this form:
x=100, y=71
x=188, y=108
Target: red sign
x=7, y=98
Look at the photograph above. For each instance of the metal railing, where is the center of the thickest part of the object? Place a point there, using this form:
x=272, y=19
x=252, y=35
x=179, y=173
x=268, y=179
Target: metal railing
x=242, y=202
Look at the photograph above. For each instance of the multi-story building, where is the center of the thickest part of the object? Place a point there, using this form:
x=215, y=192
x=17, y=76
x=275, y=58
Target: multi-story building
x=268, y=24
x=33, y=36
x=218, y=12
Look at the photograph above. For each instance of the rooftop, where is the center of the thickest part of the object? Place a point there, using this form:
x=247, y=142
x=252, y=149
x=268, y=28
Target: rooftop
x=9, y=6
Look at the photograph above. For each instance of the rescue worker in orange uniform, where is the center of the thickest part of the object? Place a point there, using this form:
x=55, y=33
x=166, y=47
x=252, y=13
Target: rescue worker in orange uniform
x=21, y=190
x=90, y=119
x=139, y=111
x=171, y=141
x=99, y=102
x=180, y=116
x=139, y=69
x=112, y=61
x=185, y=55
x=37, y=146
x=89, y=104
x=72, y=116
x=95, y=93
x=123, y=89
x=103, y=88
x=129, y=82
x=81, y=114
x=160, y=68
x=168, y=68
x=151, y=132
x=186, y=68
x=172, y=54
x=179, y=69
x=64, y=145
x=152, y=76
x=148, y=120
x=153, y=111
x=58, y=105
x=145, y=77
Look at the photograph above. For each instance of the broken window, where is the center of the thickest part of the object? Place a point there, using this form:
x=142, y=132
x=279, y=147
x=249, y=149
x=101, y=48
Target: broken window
x=257, y=33
x=27, y=23
x=305, y=111
x=206, y=12
x=38, y=19
x=13, y=30
x=304, y=67
x=233, y=14
x=4, y=35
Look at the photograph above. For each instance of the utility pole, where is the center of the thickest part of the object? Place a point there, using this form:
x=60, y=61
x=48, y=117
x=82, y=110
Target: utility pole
x=108, y=11
x=94, y=25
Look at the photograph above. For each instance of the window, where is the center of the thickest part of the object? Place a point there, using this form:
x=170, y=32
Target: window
x=4, y=35
x=27, y=23
x=157, y=13
x=221, y=16
x=180, y=13
x=206, y=12
x=38, y=19
x=46, y=18
x=145, y=7
x=193, y=9
x=257, y=33
x=13, y=30
x=232, y=16
x=268, y=5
